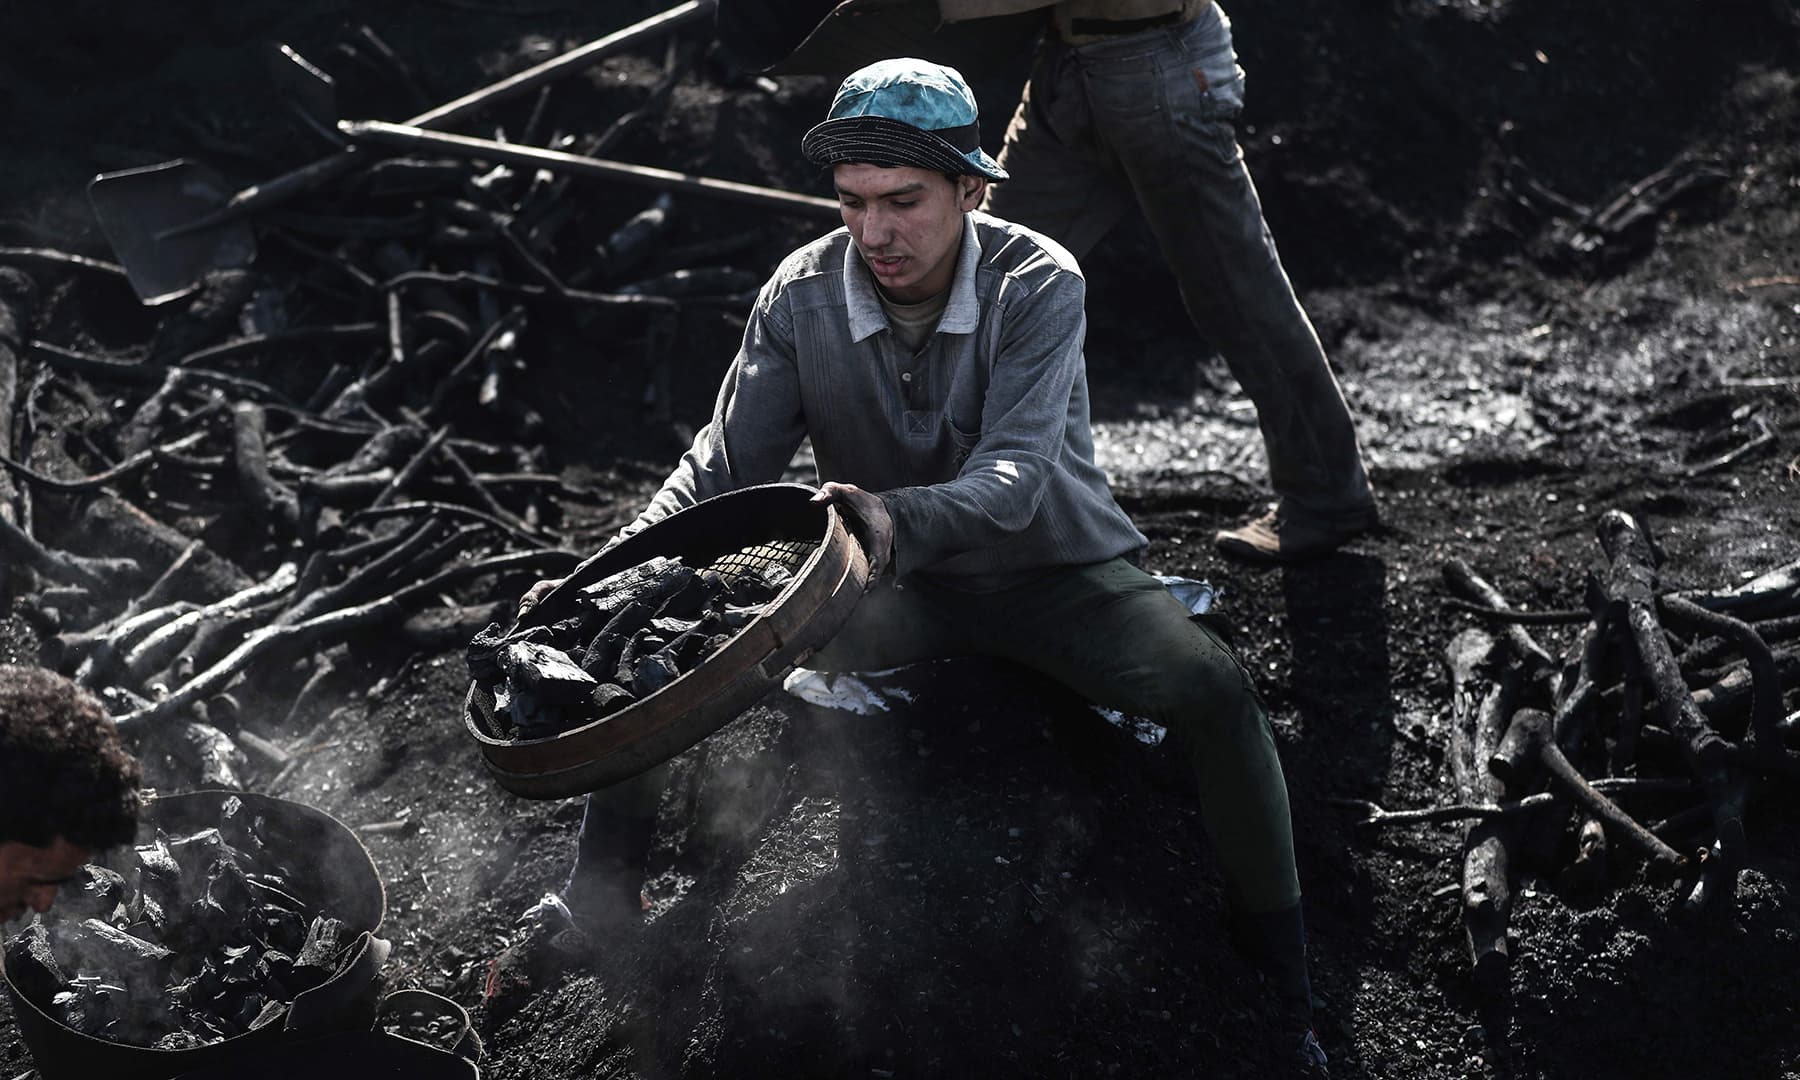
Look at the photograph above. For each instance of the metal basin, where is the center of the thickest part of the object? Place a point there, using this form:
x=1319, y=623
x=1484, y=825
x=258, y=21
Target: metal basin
x=328, y=858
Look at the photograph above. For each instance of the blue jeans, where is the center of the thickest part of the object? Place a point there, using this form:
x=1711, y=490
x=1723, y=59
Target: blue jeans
x=1146, y=118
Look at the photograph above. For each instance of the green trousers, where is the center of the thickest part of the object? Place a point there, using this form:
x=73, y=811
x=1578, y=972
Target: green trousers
x=1114, y=635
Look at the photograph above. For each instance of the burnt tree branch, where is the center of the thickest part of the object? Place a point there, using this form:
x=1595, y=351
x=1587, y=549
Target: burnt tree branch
x=328, y=625
x=1530, y=737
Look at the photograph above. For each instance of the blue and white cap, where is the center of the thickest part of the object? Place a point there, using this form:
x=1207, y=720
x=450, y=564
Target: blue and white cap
x=903, y=112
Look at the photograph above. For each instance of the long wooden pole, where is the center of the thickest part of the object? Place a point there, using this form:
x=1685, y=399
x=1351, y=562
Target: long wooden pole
x=377, y=131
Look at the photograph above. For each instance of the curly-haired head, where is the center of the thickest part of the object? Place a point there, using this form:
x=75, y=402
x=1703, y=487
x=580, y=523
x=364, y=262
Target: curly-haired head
x=63, y=770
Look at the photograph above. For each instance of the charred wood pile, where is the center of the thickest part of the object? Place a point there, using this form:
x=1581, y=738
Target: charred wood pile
x=204, y=937
x=237, y=532
x=321, y=431
x=1642, y=744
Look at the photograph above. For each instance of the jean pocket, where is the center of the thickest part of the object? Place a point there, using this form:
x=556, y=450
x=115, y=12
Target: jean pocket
x=1220, y=86
x=1206, y=87
x=1122, y=89
x=1207, y=117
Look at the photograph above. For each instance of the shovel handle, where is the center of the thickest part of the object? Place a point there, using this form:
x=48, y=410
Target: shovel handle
x=270, y=193
x=555, y=160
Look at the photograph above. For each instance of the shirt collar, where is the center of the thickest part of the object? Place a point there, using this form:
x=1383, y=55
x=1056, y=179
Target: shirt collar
x=962, y=313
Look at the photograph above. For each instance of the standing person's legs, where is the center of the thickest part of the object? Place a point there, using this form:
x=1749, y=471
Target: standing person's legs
x=1061, y=179
x=1167, y=101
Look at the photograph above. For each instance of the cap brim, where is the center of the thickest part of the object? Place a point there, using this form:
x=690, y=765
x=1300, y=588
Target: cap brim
x=879, y=140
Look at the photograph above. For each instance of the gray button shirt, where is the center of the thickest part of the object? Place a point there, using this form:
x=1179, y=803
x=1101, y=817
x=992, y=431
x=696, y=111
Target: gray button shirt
x=979, y=445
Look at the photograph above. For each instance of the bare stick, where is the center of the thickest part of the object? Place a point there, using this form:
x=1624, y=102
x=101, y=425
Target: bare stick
x=1479, y=713
x=347, y=333
x=1630, y=586
x=503, y=325
x=272, y=500
x=1531, y=737
x=18, y=297
x=100, y=650
x=396, y=329
x=377, y=131
x=131, y=465
x=345, y=592
x=1726, y=696
x=444, y=509
x=1472, y=587
x=1768, y=595
x=1765, y=707
x=1523, y=618
x=1618, y=786
x=475, y=486
x=519, y=288
x=311, y=689
x=330, y=624
x=1572, y=710
x=142, y=374
x=160, y=647
x=93, y=574
x=411, y=468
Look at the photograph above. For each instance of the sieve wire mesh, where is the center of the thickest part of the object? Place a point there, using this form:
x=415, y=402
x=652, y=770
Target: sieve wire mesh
x=790, y=555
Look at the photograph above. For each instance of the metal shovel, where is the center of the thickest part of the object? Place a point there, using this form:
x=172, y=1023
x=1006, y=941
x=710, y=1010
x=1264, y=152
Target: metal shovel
x=164, y=221
x=170, y=223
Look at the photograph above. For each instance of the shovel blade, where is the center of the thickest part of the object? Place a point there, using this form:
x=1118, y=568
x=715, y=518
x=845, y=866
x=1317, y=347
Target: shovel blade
x=143, y=212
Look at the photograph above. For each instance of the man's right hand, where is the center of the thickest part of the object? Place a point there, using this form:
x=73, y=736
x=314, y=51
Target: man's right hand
x=869, y=520
x=535, y=593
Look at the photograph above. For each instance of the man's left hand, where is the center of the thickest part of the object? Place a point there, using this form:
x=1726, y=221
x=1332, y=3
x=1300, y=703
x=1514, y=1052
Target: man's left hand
x=869, y=520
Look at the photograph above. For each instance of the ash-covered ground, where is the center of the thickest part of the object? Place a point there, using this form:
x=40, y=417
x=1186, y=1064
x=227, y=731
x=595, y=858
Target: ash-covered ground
x=1554, y=254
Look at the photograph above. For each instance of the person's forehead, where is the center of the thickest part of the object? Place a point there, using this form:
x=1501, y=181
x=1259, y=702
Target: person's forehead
x=52, y=863
x=871, y=180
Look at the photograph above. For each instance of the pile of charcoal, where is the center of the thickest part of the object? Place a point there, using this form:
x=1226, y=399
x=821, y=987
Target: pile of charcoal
x=1656, y=730
x=201, y=939
x=631, y=635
